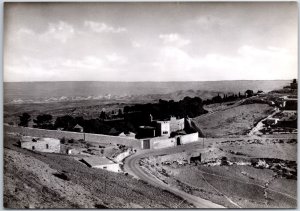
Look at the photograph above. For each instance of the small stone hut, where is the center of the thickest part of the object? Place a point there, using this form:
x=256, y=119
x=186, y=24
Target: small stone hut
x=40, y=144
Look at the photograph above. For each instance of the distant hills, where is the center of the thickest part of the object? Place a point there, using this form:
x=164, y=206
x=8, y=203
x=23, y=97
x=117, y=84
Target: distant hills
x=21, y=92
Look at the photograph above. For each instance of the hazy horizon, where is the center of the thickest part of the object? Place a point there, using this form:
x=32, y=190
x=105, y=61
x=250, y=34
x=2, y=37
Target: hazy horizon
x=152, y=81
x=66, y=90
x=153, y=41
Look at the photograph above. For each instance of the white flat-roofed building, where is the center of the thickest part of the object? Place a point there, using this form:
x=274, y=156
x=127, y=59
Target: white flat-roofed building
x=102, y=163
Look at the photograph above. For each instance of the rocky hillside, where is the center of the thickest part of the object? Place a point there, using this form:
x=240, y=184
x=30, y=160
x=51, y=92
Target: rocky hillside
x=45, y=180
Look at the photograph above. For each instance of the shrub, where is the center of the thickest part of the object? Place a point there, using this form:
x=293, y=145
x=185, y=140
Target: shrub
x=71, y=141
x=63, y=140
x=224, y=161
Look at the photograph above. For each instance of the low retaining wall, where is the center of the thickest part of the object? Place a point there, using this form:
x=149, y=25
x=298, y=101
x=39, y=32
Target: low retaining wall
x=122, y=155
x=89, y=137
x=189, y=138
x=163, y=143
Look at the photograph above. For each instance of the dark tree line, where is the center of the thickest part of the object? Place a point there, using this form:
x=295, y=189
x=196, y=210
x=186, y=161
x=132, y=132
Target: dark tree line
x=24, y=120
x=43, y=121
x=131, y=117
x=67, y=123
x=229, y=98
x=190, y=107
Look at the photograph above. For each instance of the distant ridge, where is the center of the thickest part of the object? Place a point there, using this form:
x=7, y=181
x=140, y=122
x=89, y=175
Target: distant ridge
x=148, y=81
x=20, y=91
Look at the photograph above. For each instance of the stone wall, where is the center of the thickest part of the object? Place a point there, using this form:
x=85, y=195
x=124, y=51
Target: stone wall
x=184, y=139
x=123, y=155
x=162, y=143
x=89, y=137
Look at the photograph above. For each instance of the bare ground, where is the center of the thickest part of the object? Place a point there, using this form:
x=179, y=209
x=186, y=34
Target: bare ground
x=260, y=173
x=45, y=180
x=238, y=120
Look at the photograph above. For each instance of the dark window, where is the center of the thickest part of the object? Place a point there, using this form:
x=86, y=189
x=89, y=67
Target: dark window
x=105, y=167
x=47, y=146
x=33, y=148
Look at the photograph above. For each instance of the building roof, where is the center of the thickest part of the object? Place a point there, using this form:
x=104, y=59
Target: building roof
x=122, y=134
x=130, y=134
x=27, y=138
x=78, y=126
x=113, y=131
x=97, y=161
x=36, y=139
x=159, y=138
x=163, y=121
x=147, y=127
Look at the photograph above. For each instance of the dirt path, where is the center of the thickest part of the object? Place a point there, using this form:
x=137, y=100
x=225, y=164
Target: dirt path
x=132, y=167
x=260, y=124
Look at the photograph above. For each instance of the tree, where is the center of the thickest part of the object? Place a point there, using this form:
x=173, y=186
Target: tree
x=79, y=120
x=120, y=113
x=43, y=121
x=102, y=115
x=66, y=122
x=24, y=120
x=249, y=93
x=217, y=99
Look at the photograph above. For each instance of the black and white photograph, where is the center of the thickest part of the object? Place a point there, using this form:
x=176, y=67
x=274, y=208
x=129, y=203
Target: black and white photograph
x=150, y=105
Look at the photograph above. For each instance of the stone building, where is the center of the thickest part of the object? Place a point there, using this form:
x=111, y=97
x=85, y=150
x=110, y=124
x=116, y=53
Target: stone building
x=78, y=128
x=176, y=124
x=156, y=128
x=188, y=138
x=40, y=144
x=163, y=128
x=146, y=132
x=158, y=143
x=164, y=142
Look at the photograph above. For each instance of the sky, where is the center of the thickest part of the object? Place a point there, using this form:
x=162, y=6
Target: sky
x=193, y=41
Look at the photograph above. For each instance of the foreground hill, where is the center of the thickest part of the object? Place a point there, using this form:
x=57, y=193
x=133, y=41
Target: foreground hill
x=43, y=180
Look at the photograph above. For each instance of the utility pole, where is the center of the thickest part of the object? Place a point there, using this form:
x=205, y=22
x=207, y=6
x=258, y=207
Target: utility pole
x=105, y=184
x=83, y=133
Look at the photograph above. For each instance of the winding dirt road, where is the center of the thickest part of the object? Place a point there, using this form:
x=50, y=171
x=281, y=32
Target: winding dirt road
x=133, y=168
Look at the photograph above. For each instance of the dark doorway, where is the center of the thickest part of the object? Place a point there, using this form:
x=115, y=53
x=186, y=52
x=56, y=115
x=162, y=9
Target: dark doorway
x=178, y=141
x=146, y=144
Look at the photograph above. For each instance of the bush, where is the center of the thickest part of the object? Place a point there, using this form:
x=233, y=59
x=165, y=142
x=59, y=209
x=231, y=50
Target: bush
x=63, y=140
x=224, y=161
x=71, y=141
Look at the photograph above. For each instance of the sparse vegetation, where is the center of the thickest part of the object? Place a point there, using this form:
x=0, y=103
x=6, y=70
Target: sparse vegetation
x=233, y=121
